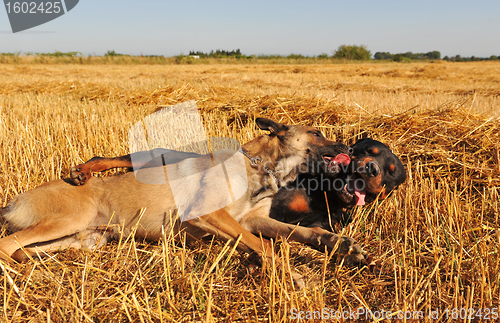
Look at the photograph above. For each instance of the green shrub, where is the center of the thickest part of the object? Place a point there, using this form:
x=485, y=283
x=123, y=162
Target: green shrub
x=352, y=52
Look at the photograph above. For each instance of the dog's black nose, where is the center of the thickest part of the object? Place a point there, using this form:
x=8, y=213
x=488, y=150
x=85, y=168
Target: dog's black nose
x=350, y=151
x=372, y=169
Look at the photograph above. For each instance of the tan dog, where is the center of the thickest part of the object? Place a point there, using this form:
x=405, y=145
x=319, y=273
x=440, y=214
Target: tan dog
x=59, y=214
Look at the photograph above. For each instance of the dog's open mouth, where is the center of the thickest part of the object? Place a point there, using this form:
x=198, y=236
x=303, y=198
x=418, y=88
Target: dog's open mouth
x=333, y=163
x=353, y=191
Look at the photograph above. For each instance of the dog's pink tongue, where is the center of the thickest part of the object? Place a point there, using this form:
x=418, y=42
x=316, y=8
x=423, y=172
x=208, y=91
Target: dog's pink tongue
x=360, y=197
x=342, y=159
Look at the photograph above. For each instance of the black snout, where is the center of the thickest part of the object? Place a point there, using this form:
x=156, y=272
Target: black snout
x=372, y=169
x=350, y=151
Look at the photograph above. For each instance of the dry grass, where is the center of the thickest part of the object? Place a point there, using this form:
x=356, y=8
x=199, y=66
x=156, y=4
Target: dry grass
x=437, y=238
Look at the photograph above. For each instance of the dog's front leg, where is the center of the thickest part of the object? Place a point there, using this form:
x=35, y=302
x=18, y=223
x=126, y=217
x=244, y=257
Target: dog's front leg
x=224, y=226
x=318, y=237
x=79, y=174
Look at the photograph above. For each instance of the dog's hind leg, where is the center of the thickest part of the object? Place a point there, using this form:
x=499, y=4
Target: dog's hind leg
x=48, y=228
x=88, y=239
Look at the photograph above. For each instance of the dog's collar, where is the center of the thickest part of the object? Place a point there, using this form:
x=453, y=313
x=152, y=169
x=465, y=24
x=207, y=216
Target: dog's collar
x=255, y=161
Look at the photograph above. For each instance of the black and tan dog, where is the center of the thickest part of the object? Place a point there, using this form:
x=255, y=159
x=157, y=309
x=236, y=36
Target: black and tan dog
x=59, y=214
x=322, y=200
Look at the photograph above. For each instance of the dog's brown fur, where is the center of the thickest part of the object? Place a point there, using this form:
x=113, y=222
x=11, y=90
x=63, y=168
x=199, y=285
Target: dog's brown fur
x=58, y=214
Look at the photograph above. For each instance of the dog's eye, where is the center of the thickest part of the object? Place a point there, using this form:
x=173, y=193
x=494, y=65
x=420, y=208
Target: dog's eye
x=317, y=134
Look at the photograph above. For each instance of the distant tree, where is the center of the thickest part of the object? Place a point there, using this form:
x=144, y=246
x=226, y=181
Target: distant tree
x=322, y=56
x=433, y=55
x=409, y=56
x=493, y=57
x=383, y=55
x=352, y=52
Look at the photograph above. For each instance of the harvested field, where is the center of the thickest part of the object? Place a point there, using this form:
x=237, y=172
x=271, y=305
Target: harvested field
x=437, y=238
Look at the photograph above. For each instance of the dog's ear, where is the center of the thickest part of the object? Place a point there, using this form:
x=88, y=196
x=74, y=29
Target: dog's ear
x=270, y=125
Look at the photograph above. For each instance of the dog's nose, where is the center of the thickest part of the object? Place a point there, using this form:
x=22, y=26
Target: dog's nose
x=350, y=150
x=372, y=169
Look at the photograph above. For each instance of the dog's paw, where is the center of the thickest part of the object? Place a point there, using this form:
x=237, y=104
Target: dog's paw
x=352, y=252
x=345, y=246
x=356, y=257
x=79, y=174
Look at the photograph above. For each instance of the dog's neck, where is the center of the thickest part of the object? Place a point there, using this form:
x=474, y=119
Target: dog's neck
x=274, y=157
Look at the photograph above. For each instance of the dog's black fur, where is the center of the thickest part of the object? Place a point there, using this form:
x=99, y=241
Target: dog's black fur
x=321, y=201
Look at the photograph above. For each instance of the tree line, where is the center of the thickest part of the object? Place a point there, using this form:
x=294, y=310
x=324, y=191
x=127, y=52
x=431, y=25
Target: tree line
x=458, y=58
x=343, y=52
x=407, y=56
x=219, y=53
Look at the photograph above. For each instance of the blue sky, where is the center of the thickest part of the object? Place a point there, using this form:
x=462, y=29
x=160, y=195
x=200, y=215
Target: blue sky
x=313, y=27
